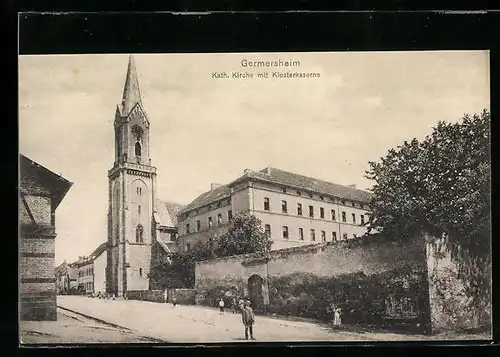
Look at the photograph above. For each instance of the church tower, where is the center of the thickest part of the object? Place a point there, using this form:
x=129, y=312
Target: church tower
x=132, y=184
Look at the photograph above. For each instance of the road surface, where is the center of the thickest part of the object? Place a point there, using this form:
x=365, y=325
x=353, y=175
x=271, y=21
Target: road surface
x=197, y=324
x=75, y=328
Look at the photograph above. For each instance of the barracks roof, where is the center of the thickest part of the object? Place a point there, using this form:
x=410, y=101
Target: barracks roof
x=285, y=178
x=209, y=196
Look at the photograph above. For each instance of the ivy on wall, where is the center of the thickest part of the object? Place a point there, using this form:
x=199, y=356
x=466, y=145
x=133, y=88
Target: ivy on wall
x=386, y=298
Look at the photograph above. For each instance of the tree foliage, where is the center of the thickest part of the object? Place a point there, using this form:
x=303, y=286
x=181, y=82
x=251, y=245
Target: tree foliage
x=441, y=186
x=245, y=236
x=180, y=272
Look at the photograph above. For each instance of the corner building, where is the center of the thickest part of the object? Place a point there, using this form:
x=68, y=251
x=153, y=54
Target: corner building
x=40, y=193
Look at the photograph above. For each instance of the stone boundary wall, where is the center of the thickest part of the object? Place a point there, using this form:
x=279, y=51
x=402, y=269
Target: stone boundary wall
x=369, y=254
x=146, y=295
x=450, y=305
x=183, y=296
x=374, y=280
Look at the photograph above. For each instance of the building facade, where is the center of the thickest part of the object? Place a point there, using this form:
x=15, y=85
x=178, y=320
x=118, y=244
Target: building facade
x=294, y=209
x=66, y=278
x=100, y=259
x=41, y=192
x=86, y=275
x=92, y=271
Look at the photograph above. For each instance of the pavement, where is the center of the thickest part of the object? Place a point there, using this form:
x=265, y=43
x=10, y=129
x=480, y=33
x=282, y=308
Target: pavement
x=75, y=328
x=197, y=324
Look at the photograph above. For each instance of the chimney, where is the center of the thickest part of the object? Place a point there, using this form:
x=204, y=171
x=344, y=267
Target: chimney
x=213, y=186
x=352, y=186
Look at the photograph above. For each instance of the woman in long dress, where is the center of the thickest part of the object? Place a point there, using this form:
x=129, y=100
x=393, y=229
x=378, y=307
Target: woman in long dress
x=336, y=318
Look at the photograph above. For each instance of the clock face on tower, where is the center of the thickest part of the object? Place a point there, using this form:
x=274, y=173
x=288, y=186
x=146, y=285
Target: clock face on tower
x=137, y=131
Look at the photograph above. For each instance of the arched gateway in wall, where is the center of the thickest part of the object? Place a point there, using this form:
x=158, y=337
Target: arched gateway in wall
x=255, y=285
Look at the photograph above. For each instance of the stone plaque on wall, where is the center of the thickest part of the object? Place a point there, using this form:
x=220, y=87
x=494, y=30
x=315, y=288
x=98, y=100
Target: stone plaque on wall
x=400, y=307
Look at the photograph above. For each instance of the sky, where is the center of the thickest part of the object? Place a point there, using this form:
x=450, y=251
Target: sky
x=206, y=130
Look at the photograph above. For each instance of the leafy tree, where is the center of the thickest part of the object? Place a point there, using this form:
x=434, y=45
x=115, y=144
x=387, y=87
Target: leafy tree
x=180, y=273
x=243, y=237
x=441, y=186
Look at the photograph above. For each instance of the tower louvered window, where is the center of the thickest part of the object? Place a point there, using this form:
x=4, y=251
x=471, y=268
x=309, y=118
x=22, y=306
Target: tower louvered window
x=139, y=231
x=138, y=149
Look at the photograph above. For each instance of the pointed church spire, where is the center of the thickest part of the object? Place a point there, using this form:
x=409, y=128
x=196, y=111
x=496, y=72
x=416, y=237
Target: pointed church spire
x=131, y=93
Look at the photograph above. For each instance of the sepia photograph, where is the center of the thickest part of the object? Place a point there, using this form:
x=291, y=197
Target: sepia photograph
x=254, y=197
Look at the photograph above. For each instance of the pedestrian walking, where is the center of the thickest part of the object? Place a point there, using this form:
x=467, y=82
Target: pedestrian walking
x=233, y=305
x=248, y=320
x=221, y=306
x=174, y=301
x=337, y=321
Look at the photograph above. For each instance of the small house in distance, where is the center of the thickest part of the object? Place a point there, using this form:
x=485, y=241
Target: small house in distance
x=40, y=193
x=66, y=278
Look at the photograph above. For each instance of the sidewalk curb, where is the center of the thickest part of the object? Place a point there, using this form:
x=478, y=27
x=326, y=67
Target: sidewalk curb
x=94, y=318
x=153, y=339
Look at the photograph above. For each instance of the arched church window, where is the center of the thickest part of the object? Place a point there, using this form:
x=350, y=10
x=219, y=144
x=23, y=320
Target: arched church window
x=138, y=149
x=139, y=233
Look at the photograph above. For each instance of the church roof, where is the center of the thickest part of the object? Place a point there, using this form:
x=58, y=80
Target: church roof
x=167, y=212
x=98, y=251
x=208, y=197
x=285, y=178
x=131, y=92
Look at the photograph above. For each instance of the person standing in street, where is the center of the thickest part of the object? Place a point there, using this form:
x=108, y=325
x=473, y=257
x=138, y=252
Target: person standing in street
x=234, y=305
x=336, y=318
x=174, y=300
x=221, y=306
x=248, y=320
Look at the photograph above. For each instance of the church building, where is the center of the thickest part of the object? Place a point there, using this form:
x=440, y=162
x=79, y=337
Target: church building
x=141, y=228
